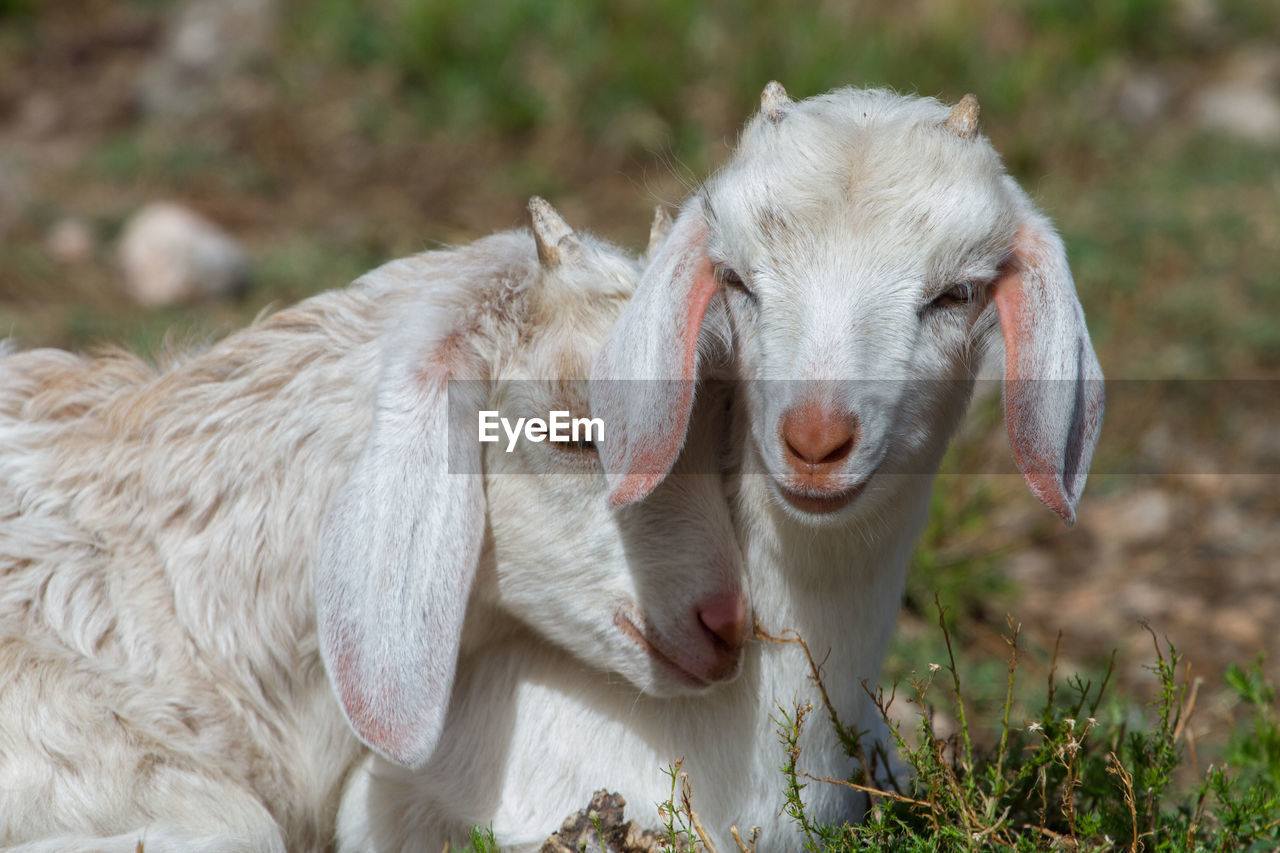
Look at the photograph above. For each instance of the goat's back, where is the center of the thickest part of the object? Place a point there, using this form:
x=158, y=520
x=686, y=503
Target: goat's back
x=157, y=649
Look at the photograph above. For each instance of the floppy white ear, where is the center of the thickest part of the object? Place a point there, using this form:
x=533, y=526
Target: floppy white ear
x=1053, y=390
x=398, y=554
x=656, y=340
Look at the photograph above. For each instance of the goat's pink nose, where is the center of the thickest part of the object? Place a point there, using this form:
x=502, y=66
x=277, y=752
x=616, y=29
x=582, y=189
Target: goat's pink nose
x=725, y=616
x=818, y=438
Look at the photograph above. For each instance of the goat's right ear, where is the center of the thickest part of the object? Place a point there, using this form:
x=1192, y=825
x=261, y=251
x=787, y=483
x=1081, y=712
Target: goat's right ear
x=398, y=553
x=655, y=340
x=1053, y=391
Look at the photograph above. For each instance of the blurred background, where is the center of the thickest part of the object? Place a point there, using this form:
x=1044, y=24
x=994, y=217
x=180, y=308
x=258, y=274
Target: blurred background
x=298, y=143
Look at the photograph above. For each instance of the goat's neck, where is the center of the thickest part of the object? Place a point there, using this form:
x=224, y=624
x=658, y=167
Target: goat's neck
x=837, y=586
x=839, y=591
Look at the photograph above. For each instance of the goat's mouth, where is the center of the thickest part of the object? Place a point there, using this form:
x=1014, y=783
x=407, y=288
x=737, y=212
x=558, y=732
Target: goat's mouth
x=820, y=502
x=689, y=679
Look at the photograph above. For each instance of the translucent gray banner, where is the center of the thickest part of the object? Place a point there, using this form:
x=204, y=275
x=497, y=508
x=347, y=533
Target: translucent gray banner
x=1152, y=427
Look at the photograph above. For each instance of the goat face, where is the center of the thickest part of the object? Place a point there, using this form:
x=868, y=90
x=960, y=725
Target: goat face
x=433, y=524
x=869, y=248
x=857, y=290
x=651, y=591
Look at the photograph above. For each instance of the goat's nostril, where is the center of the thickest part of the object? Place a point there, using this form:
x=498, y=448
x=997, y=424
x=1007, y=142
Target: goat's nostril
x=840, y=452
x=816, y=435
x=725, y=616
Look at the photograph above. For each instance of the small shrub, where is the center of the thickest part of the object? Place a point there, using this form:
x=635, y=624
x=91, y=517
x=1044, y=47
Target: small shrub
x=1061, y=781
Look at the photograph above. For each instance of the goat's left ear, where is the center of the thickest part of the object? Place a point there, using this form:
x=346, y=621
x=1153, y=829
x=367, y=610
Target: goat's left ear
x=1053, y=391
x=399, y=550
x=655, y=340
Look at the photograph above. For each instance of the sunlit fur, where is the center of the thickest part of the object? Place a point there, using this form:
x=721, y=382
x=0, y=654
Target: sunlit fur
x=845, y=215
x=846, y=218
x=160, y=677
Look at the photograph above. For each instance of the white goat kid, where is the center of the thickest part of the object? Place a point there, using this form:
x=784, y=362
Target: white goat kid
x=878, y=238
x=868, y=249
x=161, y=674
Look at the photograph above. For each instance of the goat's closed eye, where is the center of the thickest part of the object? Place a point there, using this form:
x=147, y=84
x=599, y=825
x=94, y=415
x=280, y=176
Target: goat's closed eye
x=730, y=278
x=579, y=445
x=960, y=293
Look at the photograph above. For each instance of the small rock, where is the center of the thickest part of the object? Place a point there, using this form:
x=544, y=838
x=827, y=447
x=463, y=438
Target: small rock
x=1244, y=99
x=1143, y=97
x=1244, y=111
x=172, y=255
x=71, y=241
x=600, y=826
x=207, y=43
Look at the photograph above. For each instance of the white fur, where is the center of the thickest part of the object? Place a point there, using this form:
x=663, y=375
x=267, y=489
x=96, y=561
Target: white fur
x=161, y=675
x=845, y=214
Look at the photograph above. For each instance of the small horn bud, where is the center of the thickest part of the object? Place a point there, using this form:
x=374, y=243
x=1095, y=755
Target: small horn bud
x=659, y=229
x=963, y=120
x=774, y=101
x=554, y=238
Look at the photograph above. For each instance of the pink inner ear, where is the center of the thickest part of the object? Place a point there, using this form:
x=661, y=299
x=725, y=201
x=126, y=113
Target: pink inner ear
x=633, y=487
x=1038, y=463
x=653, y=453
x=365, y=719
x=702, y=287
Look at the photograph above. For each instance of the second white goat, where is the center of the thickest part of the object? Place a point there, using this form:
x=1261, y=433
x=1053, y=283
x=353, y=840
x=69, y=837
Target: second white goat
x=161, y=677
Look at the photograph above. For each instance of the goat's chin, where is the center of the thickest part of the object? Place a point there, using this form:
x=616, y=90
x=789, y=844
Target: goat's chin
x=663, y=672
x=662, y=682
x=820, y=507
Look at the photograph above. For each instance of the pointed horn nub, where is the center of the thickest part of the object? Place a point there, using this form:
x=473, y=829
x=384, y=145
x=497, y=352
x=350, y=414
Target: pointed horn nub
x=774, y=101
x=963, y=120
x=659, y=229
x=553, y=236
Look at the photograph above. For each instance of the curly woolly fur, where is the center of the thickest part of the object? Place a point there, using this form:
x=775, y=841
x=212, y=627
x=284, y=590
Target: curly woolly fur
x=162, y=678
